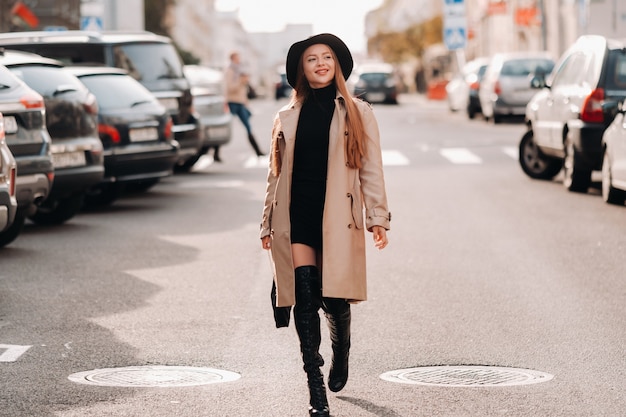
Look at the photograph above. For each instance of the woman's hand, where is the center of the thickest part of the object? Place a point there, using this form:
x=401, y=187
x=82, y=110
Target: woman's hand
x=380, y=237
x=266, y=242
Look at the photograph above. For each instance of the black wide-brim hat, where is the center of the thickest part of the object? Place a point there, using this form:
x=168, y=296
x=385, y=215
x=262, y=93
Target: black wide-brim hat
x=337, y=45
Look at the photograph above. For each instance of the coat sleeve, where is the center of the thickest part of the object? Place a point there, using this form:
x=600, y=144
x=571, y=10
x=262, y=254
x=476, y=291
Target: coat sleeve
x=371, y=173
x=270, y=191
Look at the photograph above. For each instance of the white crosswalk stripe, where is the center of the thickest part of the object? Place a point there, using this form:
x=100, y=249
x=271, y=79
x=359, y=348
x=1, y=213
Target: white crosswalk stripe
x=393, y=157
x=460, y=156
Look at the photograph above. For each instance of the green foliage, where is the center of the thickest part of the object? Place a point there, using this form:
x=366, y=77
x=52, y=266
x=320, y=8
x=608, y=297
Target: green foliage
x=395, y=47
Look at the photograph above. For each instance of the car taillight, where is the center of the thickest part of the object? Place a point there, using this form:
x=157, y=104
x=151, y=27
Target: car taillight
x=496, y=88
x=108, y=133
x=592, y=107
x=13, y=175
x=32, y=101
x=474, y=86
x=168, y=128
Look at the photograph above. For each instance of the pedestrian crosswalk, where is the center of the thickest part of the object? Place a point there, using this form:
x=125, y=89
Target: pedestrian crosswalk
x=393, y=157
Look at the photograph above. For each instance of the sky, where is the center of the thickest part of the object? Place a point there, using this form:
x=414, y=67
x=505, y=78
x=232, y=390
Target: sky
x=344, y=18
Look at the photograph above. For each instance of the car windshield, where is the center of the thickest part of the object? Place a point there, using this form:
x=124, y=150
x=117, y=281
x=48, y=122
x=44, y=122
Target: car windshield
x=525, y=67
x=148, y=61
x=115, y=91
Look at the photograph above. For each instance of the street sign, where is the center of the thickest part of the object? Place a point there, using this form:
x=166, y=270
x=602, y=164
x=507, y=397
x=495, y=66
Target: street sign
x=93, y=23
x=454, y=24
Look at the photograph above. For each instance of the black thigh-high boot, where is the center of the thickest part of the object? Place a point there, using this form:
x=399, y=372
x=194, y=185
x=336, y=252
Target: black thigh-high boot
x=307, y=319
x=337, y=312
x=255, y=145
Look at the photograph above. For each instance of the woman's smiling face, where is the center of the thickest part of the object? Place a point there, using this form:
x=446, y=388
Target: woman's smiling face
x=319, y=65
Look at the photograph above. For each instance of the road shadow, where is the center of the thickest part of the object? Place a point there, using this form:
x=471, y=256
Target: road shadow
x=370, y=407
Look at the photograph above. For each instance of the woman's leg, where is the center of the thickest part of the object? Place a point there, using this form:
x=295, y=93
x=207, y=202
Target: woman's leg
x=303, y=255
x=244, y=115
x=338, y=317
x=307, y=320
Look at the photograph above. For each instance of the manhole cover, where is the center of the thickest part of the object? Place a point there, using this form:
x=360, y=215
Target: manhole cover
x=153, y=376
x=466, y=376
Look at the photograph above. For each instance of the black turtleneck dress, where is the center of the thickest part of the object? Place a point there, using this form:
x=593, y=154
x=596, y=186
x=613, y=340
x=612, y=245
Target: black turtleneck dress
x=308, y=181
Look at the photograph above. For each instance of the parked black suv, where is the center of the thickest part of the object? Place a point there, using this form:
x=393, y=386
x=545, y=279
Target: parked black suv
x=71, y=119
x=567, y=118
x=28, y=139
x=149, y=58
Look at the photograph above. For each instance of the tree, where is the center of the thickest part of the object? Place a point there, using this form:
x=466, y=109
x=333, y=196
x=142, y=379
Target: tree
x=155, y=15
x=396, y=47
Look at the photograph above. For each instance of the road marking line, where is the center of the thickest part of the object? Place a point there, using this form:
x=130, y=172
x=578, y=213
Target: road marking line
x=511, y=151
x=460, y=156
x=257, y=162
x=390, y=158
x=394, y=158
x=12, y=352
x=204, y=162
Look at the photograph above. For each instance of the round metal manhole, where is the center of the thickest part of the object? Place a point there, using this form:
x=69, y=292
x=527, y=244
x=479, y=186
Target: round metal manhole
x=153, y=376
x=466, y=376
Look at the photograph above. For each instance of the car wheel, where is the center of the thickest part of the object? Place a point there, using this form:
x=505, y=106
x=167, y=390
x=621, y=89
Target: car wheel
x=533, y=162
x=610, y=194
x=574, y=178
x=10, y=234
x=57, y=211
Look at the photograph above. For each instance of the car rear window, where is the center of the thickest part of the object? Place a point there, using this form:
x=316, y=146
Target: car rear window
x=115, y=91
x=375, y=76
x=68, y=53
x=525, y=67
x=47, y=80
x=148, y=62
x=616, y=70
x=7, y=80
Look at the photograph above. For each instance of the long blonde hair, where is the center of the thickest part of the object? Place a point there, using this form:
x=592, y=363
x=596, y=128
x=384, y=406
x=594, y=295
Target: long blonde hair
x=355, y=139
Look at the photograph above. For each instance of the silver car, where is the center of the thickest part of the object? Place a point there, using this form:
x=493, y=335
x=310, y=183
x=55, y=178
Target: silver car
x=505, y=89
x=8, y=169
x=210, y=104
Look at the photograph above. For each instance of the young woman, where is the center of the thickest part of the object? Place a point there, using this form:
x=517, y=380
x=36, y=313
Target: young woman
x=325, y=169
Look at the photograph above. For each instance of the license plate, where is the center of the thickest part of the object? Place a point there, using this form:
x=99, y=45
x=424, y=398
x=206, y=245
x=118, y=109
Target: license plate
x=376, y=96
x=169, y=103
x=69, y=159
x=143, y=134
x=10, y=124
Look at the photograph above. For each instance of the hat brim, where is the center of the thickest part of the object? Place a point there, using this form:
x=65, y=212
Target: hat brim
x=337, y=45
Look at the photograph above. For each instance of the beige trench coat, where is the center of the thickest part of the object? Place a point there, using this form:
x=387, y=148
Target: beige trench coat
x=348, y=192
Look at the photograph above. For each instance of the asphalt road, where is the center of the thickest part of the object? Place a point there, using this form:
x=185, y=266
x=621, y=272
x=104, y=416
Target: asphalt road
x=485, y=267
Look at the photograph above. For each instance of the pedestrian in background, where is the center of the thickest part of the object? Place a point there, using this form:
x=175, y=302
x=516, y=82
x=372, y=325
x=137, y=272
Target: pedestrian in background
x=325, y=169
x=236, y=81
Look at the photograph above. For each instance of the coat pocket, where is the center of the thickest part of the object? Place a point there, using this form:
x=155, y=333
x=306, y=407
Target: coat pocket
x=357, y=210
